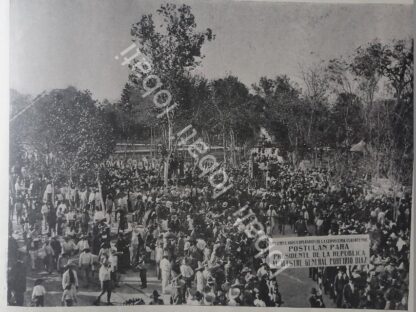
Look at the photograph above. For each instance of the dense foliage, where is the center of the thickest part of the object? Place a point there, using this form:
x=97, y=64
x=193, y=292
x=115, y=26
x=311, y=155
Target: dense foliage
x=366, y=96
x=64, y=132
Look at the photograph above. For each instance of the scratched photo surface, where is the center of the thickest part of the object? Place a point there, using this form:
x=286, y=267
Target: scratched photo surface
x=210, y=153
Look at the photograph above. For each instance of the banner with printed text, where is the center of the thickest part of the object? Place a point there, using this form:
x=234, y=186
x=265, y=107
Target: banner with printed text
x=319, y=251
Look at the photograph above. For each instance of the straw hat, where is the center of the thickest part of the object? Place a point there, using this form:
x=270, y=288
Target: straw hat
x=235, y=292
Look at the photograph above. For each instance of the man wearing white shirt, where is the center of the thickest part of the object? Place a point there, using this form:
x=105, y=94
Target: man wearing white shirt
x=47, y=196
x=44, y=211
x=38, y=293
x=134, y=244
x=83, y=244
x=83, y=198
x=187, y=272
x=165, y=268
x=17, y=187
x=105, y=280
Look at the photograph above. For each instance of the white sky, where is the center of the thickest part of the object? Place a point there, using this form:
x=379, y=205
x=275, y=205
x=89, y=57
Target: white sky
x=73, y=42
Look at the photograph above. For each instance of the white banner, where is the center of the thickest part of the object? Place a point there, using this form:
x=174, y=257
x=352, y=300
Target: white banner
x=319, y=251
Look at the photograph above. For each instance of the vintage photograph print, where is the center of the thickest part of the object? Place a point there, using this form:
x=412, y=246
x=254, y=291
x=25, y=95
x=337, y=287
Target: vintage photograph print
x=210, y=153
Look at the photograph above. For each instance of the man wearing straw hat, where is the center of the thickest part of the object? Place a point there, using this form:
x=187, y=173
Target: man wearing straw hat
x=85, y=264
x=70, y=277
x=187, y=273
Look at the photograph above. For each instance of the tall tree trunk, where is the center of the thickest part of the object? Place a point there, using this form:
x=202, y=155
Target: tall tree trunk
x=166, y=171
x=151, y=146
x=232, y=156
x=100, y=189
x=224, y=140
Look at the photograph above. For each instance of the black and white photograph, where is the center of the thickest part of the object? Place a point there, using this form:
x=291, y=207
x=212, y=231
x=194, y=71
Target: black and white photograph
x=210, y=153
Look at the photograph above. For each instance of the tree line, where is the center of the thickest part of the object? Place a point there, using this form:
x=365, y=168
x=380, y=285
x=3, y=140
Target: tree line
x=366, y=96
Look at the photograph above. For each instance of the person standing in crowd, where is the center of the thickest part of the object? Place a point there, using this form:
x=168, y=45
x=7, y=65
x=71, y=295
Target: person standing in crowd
x=85, y=265
x=158, y=255
x=141, y=266
x=174, y=223
x=187, y=273
x=124, y=253
x=109, y=204
x=217, y=255
x=60, y=218
x=200, y=278
x=70, y=278
x=177, y=295
x=165, y=268
x=49, y=256
x=85, y=220
x=341, y=280
x=38, y=293
x=105, y=281
x=18, y=206
x=51, y=219
x=13, y=251
x=45, y=212
x=91, y=199
x=73, y=194
x=47, y=197
x=97, y=199
x=57, y=249
x=351, y=295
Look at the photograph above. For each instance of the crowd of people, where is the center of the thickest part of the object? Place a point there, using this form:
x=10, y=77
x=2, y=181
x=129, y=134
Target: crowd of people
x=351, y=207
x=197, y=245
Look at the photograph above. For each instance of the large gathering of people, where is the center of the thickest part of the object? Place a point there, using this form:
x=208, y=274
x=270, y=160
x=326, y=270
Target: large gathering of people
x=197, y=246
